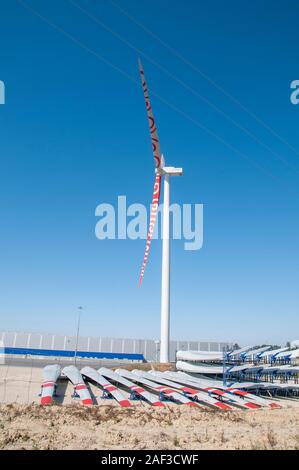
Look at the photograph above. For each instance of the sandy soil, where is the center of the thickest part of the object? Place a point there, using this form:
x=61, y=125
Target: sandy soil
x=178, y=427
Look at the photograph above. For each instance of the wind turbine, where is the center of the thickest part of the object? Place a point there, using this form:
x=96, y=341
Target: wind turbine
x=165, y=172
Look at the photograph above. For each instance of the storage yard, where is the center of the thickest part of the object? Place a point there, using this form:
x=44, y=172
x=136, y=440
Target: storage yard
x=150, y=406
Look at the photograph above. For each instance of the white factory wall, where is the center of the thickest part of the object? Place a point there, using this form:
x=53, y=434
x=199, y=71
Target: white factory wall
x=149, y=348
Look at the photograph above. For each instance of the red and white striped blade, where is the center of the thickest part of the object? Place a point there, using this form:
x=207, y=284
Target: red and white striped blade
x=168, y=388
x=202, y=385
x=153, y=217
x=154, y=386
x=72, y=373
x=151, y=121
x=116, y=377
x=47, y=393
x=217, y=385
x=83, y=393
x=203, y=397
x=207, y=399
x=250, y=396
x=50, y=375
x=147, y=395
x=115, y=392
x=231, y=397
x=194, y=391
x=159, y=163
x=94, y=375
x=176, y=396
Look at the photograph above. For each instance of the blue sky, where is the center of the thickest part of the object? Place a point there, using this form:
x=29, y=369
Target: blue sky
x=74, y=134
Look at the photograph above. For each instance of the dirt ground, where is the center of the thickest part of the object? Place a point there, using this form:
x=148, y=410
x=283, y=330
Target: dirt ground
x=178, y=427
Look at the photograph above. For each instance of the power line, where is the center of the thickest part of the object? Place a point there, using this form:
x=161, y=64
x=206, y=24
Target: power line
x=160, y=98
x=182, y=83
x=205, y=76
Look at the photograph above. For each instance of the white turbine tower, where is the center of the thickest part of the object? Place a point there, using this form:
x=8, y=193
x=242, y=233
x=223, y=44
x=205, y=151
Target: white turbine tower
x=167, y=172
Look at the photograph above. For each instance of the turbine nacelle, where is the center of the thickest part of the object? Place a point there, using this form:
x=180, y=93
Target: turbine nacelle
x=169, y=170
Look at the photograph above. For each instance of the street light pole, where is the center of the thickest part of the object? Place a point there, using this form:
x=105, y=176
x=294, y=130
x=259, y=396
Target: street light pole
x=78, y=329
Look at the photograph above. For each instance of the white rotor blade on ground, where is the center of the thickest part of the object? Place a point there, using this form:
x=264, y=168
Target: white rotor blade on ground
x=117, y=377
x=72, y=373
x=250, y=396
x=95, y=376
x=168, y=392
x=206, y=386
x=234, y=388
x=50, y=375
x=185, y=378
x=194, y=392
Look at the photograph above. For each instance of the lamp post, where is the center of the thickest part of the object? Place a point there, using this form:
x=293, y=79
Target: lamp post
x=78, y=329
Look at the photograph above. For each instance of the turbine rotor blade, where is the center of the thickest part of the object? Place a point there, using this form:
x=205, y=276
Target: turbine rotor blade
x=153, y=217
x=151, y=121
